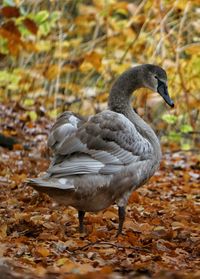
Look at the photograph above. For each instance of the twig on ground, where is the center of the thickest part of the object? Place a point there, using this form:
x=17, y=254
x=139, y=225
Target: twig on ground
x=85, y=247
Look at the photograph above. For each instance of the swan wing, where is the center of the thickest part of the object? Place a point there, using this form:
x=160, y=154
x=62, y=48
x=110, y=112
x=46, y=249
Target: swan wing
x=104, y=144
x=65, y=126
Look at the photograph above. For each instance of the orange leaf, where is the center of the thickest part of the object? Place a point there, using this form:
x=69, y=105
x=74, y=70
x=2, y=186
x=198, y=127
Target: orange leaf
x=30, y=47
x=10, y=36
x=43, y=251
x=134, y=198
x=18, y=178
x=18, y=146
x=106, y=269
x=102, y=97
x=13, y=48
x=94, y=58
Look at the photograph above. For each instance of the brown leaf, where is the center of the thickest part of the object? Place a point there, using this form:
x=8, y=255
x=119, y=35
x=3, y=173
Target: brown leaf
x=9, y=11
x=10, y=36
x=30, y=25
x=11, y=27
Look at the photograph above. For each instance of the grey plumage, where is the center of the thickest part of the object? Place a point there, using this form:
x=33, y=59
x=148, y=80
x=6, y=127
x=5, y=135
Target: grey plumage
x=101, y=160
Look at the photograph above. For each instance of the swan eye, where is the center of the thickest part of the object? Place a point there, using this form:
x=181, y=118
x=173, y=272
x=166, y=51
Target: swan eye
x=156, y=77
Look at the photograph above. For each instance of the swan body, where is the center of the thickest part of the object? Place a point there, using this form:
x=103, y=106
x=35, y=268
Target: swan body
x=100, y=161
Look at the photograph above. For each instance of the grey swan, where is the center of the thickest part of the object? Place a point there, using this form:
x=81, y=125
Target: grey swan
x=100, y=161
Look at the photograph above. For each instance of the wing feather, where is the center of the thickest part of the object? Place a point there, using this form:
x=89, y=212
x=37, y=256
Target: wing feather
x=104, y=144
x=82, y=164
x=64, y=128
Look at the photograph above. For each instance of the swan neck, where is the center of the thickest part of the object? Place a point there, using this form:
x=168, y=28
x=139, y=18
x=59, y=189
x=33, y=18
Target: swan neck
x=120, y=101
x=123, y=88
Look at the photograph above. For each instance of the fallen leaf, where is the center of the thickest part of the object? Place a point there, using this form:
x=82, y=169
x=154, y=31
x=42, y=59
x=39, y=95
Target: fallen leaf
x=42, y=251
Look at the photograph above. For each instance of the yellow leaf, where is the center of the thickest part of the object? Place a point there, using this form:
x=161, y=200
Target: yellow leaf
x=119, y=68
x=32, y=115
x=52, y=72
x=87, y=9
x=193, y=49
x=120, y=5
x=43, y=45
x=180, y=4
x=62, y=261
x=86, y=67
x=53, y=113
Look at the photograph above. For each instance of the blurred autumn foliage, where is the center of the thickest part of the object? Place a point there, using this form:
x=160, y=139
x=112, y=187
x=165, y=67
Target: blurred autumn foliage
x=57, y=55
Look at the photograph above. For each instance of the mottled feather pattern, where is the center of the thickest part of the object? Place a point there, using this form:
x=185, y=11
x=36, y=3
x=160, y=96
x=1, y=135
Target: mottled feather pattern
x=110, y=126
x=104, y=144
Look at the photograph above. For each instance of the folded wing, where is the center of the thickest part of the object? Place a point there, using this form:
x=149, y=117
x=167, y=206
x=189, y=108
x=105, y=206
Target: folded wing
x=104, y=144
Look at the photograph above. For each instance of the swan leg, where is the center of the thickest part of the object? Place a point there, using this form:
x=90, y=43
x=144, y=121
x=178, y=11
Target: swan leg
x=81, y=215
x=121, y=214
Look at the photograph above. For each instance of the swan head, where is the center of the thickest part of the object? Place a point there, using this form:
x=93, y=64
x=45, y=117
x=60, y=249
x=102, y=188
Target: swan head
x=156, y=80
x=146, y=75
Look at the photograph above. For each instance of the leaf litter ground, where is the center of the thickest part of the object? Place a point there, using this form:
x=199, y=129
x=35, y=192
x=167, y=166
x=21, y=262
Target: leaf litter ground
x=40, y=238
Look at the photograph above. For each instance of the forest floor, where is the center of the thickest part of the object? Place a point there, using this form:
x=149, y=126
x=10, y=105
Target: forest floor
x=40, y=238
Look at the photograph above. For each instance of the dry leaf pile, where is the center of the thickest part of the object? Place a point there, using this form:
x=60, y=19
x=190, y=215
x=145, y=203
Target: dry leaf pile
x=40, y=238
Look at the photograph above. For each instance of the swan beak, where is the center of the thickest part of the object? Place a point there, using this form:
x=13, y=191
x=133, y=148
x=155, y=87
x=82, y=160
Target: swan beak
x=163, y=91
